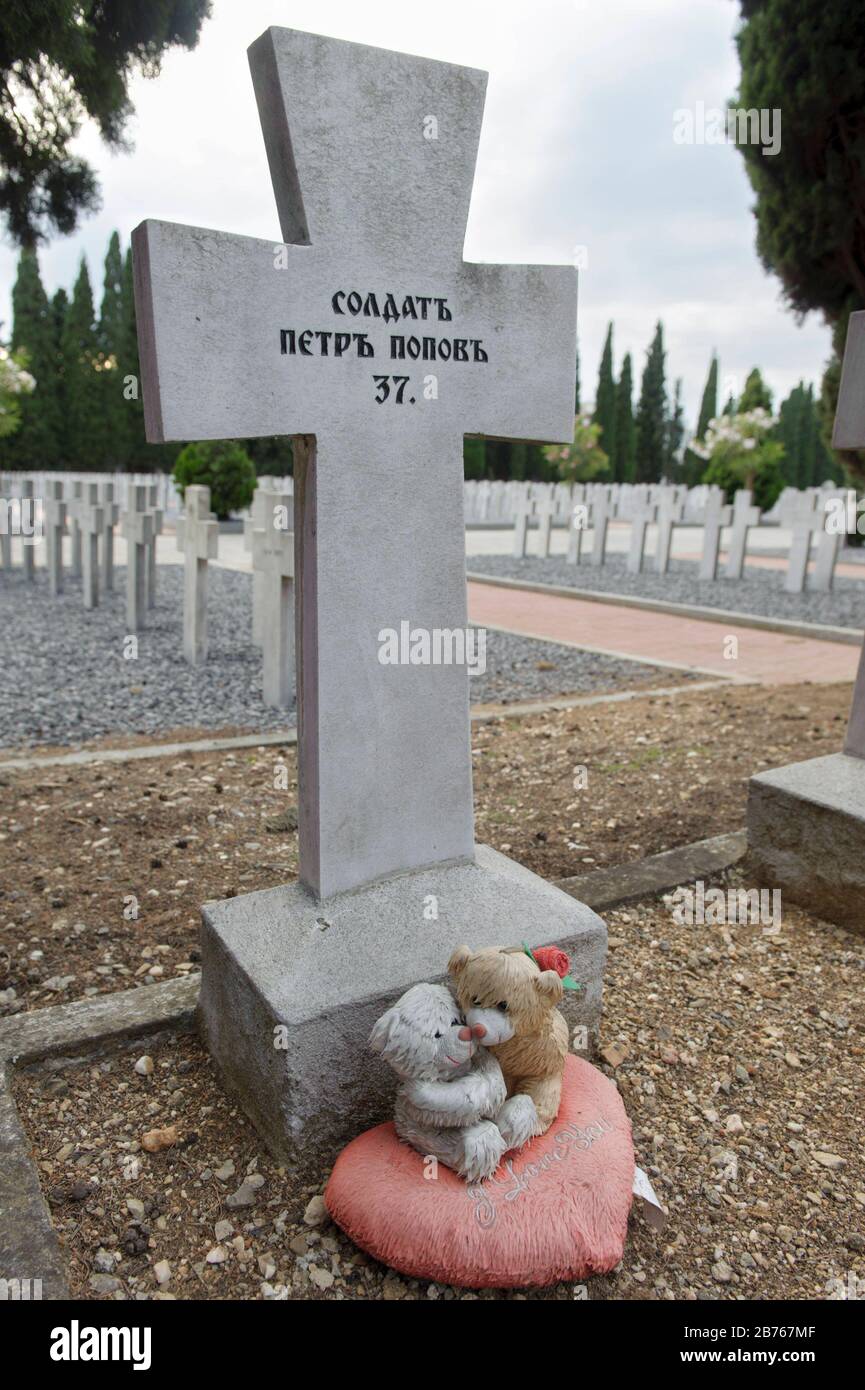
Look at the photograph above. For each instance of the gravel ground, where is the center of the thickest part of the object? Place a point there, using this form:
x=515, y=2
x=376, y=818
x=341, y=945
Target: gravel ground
x=67, y=680
x=761, y=590
x=738, y=1054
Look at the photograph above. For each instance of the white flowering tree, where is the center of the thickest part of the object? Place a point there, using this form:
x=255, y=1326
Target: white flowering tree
x=740, y=453
x=15, y=381
x=583, y=460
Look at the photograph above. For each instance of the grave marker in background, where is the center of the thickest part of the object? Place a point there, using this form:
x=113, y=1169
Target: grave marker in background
x=55, y=509
x=138, y=530
x=110, y=514
x=715, y=515
x=91, y=523
x=744, y=517
x=806, y=821
x=371, y=341
x=198, y=538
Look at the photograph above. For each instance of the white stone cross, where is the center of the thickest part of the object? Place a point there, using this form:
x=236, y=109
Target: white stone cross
x=523, y=510
x=156, y=517
x=744, y=517
x=828, y=542
x=75, y=567
x=277, y=564
x=138, y=530
x=198, y=538
x=111, y=514
x=715, y=515
x=849, y=433
x=91, y=523
x=642, y=514
x=28, y=512
x=545, y=510
x=602, y=510
x=369, y=339
x=54, y=520
x=809, y=519
x=670, y=512
x=255, y=522
x=578, y=521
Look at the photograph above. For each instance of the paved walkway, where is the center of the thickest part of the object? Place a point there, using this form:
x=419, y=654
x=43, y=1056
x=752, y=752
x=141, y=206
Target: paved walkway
x=771, y=658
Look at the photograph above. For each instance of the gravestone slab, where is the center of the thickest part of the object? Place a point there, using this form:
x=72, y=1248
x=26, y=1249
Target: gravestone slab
x=91, y=522
x=642, y=514
x=198, y=538
x=745, y=516
x=806, y=821
x=55, y=511
x=76, y=561
x=714, y=516
x=367, y=338
x=111, y=515
x=138, y=530
x=809, y=520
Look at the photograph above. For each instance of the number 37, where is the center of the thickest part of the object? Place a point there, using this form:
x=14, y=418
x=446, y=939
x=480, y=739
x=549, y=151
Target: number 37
x=383, y=388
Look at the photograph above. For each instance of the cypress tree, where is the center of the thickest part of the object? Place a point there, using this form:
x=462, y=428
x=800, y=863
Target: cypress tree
x=36, y=443
x=675, y=433
x=110, y=338
x=84, y=427
x=605, y=402
x=756, y=393
x=624, y=463
x=652, y=414
x=709, y=403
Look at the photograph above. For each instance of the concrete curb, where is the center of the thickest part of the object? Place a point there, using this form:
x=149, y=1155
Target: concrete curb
x=84, y=757
x=819, y=632
x=29, y=1248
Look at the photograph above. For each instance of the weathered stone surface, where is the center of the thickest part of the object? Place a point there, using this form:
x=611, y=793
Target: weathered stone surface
x=324, y=972
x=806, y=835
x=29, y=1248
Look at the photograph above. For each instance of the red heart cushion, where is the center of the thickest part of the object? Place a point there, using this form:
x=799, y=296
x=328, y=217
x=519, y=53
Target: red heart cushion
x=557, y=1210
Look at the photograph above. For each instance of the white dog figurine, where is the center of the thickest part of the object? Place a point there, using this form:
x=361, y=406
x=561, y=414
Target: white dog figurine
x=451, y=1088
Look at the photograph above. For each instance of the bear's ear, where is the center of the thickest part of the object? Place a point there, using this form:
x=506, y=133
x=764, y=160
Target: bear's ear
x=549, y=986
x=458, y=961
x=382, y=1030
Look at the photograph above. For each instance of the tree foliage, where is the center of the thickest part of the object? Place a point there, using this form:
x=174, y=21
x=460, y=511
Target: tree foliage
x=225, y=467
x=62, y=61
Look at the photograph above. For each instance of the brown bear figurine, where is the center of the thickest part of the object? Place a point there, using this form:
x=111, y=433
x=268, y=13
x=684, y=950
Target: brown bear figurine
x=510, y=1005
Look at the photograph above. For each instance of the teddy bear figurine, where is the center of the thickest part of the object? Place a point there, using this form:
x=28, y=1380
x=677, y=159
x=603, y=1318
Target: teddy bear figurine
x=452, y=1088
x=508, y=996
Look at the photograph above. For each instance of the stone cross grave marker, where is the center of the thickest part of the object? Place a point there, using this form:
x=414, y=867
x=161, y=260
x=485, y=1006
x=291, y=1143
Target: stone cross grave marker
x=744, y=517
x=110, y=516
x=7, y=522
x=578, y=521
x=602, y=511
x=91, y=522
x=198, y=538
x=276, y=541
x=255, y=522
x=523, y=509
x=642, y=514
x=829, y=543
x=545, y=510
x=138, y=530
x=849, y=433
x=75, y=563
x=671, y=510
x=156, y=517
x=55, y=525
x=809, y=519
x=715, y=515
x=28, y=520
x=368, y=338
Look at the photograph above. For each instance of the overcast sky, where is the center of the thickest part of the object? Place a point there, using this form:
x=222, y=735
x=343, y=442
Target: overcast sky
x=577, y=150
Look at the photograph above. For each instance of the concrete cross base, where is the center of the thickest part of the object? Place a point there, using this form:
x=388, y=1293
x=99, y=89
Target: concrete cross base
x=324, y=971
x=806, y=835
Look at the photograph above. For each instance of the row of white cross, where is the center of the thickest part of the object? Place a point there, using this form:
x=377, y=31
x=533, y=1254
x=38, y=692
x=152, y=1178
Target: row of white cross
x=593, y=508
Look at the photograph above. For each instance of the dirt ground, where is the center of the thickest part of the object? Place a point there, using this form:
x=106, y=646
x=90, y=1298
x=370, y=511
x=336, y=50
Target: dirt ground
x=103, y=869
x=738, y=1054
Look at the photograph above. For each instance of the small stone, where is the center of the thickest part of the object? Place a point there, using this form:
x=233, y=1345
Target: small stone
x=135, y=1207
x=58, y=983
x=735, y=1124
x=722, y=1273
x=144, y=1066
x=157, y=1139
x=104, y=1283
x=792, y=1059
x=245, y=1196
x=227, y=1171
x=322, y=1278
x=267, y=1266
x=223, y=1230
x=217, y=1256
x=162, y=1272
x=316, y=1212
x=832, y=1161
x=103, y=1261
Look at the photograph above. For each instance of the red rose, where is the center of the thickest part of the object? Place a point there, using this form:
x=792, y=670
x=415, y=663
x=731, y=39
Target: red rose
x=552, y=958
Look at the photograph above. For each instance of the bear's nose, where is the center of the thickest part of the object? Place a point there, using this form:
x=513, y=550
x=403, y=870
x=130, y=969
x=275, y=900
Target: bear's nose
x=479, y=1030
x=465, y=1035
